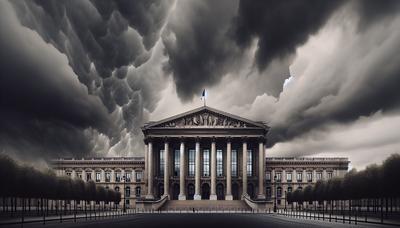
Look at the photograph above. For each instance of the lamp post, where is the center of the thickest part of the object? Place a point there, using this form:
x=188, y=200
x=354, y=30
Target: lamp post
x=124, y=179
x=276, y=194
x=285, y=199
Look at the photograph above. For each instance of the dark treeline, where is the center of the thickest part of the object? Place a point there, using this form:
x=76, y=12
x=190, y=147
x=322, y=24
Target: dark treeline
x=24, y=187
x=372, y=190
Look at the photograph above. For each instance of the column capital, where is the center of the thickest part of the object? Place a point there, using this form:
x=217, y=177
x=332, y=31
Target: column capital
x=245, y=139
x=262, y=139
x=213, y=139
x=182, y=139
x=147, y=140
x=166, y=139
x=228, y=139
x=197, y=139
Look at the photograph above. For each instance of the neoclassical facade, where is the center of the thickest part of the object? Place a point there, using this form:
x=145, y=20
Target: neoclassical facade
x=203, y=154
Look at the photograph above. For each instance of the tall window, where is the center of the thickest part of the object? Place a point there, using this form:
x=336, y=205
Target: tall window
x=309, y=176
x=139, y=175
x=220, y=166
x=249, y=163
x=206, y=163
x=278, y=176
x=117, y=177
x=279, y=192
x=162, y=163
x=289, y=189
x=98, y=176
x=299, y=176
x=128, y=176
x=176, y=162
x=268, y=192
x=88, y=176
x=330, y=175
x=137, y=191
x=234, y=163
x=289, y=177
x=319, y=176
x=268, y=176
x=108, y=176
x=191, y=162
x=128, y=191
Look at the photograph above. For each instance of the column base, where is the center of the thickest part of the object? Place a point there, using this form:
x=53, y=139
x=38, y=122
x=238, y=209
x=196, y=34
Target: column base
x=197, y=197
x=149, y=197
x=261, y=196
x=181, y=197
x=228, y=197
x=213, y=197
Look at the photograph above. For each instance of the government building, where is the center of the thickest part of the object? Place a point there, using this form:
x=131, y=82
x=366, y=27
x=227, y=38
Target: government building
x=203, y=155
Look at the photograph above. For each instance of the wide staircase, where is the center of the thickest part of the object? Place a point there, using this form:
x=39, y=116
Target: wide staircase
x=205, y=205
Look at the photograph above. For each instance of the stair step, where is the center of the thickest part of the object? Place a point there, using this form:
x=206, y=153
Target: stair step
x=205, y=205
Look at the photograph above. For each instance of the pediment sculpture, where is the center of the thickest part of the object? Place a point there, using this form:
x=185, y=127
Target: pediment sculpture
x=206, y=119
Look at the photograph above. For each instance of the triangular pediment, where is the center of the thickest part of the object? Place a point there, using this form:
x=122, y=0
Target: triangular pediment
x=205, y=117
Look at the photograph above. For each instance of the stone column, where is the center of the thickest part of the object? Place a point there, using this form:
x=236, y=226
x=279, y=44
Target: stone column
x=150, y=159
x=261, y=170
x=166, y=169
x=228, y=171
x=197, y=195
x=213, y=195
x=146, y=162
x=102, y=176
x=182, y=195
x=244, y=168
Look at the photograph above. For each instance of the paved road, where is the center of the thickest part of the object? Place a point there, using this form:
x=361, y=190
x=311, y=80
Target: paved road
x=198, y=220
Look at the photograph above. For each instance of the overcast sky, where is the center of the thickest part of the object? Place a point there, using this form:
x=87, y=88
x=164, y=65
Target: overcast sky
x=79, y=78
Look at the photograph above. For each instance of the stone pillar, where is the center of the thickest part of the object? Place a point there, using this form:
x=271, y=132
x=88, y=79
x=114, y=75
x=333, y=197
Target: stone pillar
x=146, y=161
x=197, y=195
x=261, y=170
x=166, y=169
x=150, y=159
x=182, y=195
x=228, y=195
x=213, y=195
x=244, y=168
x=102, y=176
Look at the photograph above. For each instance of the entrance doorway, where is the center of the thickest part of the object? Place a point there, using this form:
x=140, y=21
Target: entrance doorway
x=190, y=192
x=160, y=190
x=175, y=192
x=205, y=191
x=235, y=191
x=250, y=190
x=220, y=192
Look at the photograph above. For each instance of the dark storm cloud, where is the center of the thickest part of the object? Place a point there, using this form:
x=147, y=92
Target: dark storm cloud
x=362, y=80
x=372, y=12
x=204, y=46
x=44, y=107
x=197, y=46
x=279, y=26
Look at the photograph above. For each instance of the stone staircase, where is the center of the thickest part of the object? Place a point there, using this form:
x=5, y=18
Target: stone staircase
x=205, y=205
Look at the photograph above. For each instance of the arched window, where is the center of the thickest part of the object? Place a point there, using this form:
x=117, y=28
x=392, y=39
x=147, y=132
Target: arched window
x=137, y=191
x=116, y=189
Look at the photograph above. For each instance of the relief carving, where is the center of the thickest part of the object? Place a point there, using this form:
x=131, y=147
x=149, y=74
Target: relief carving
x=205, y=119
